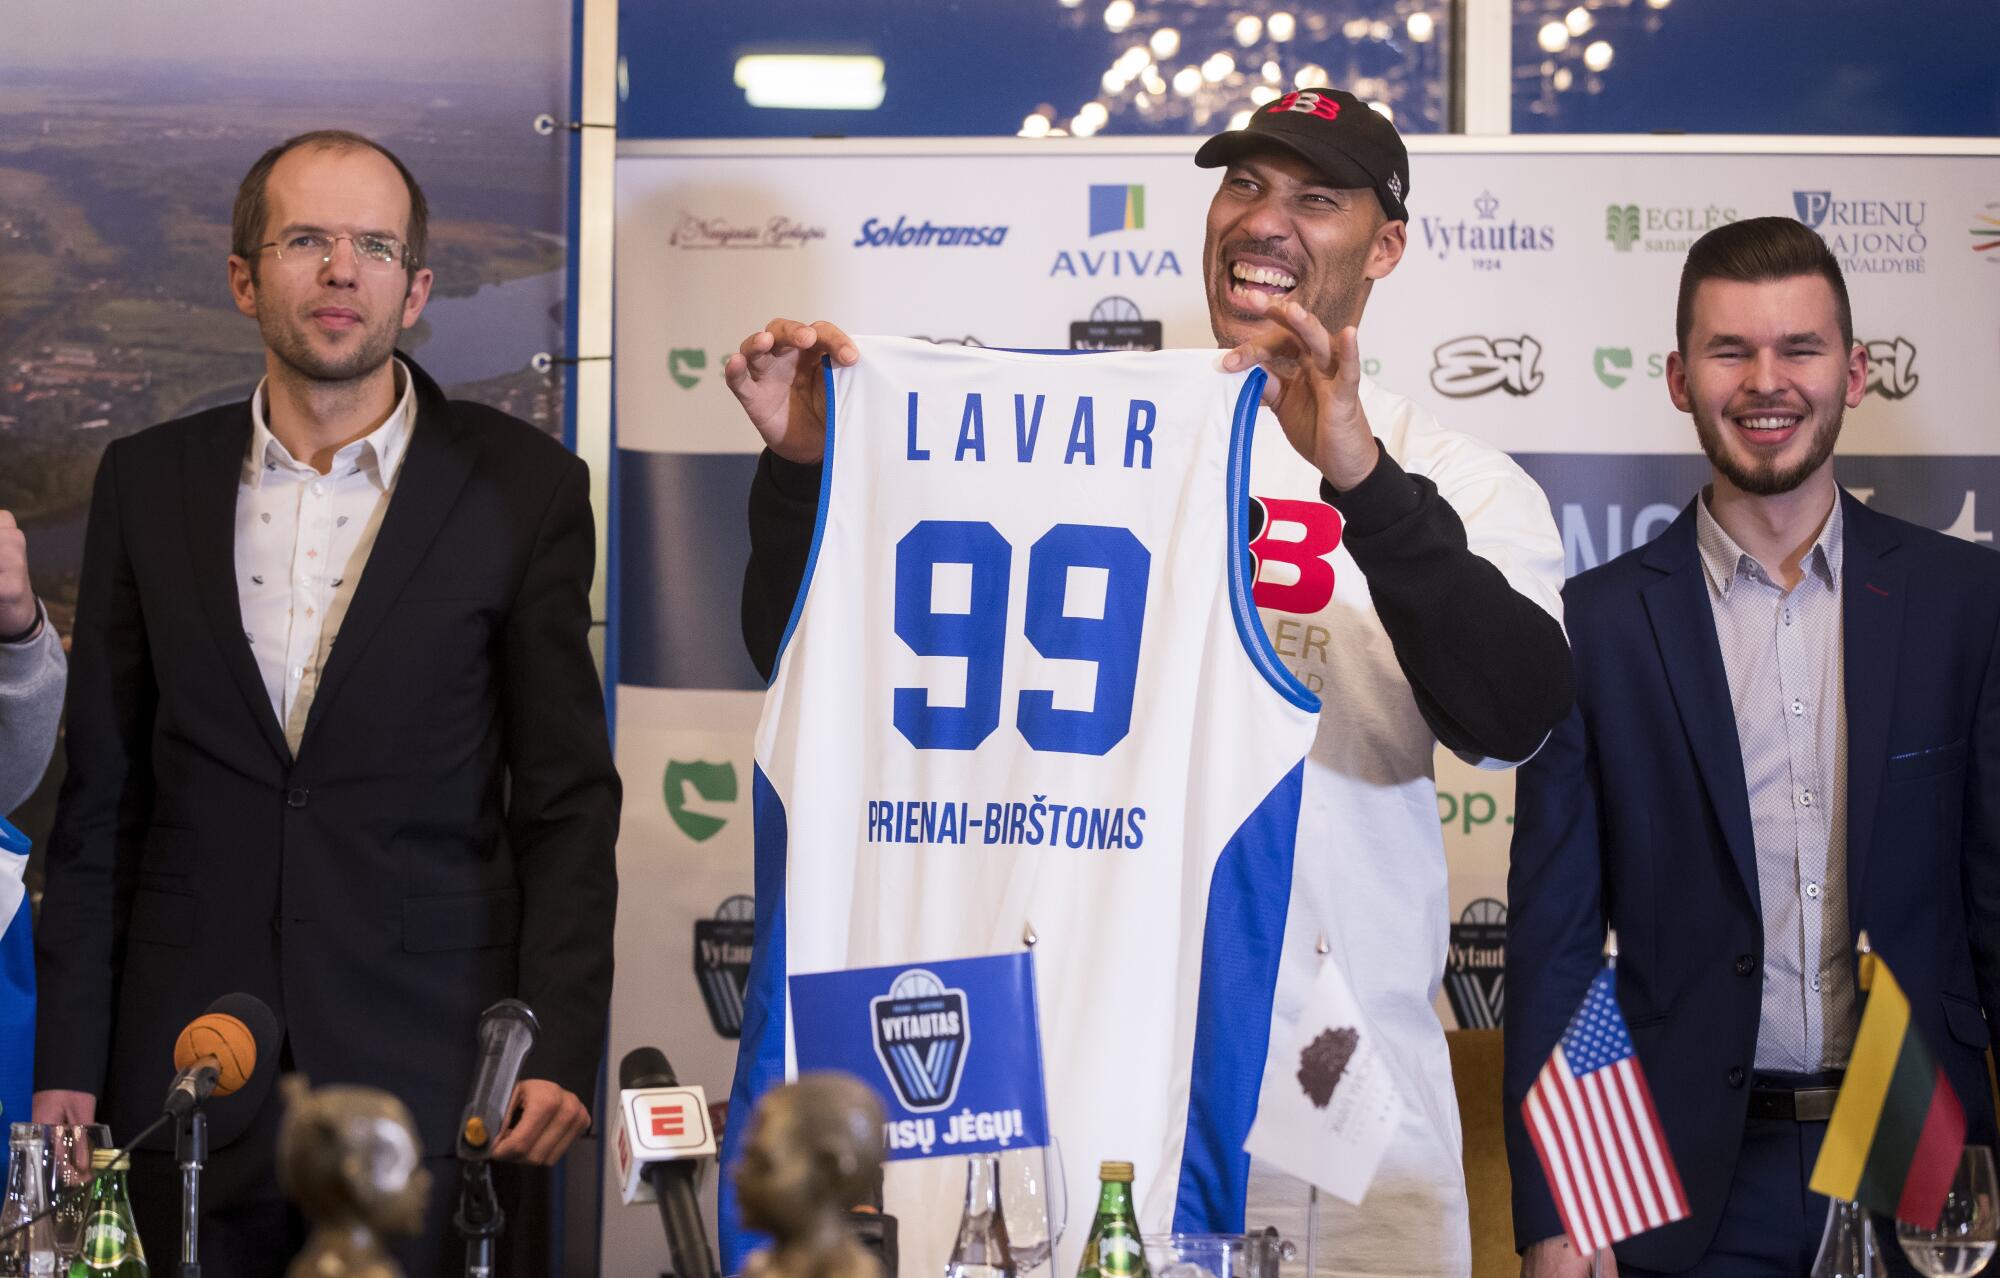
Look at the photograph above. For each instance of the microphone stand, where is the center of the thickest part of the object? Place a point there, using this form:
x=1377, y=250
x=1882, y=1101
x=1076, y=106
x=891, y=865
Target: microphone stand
x=191, y=1147
x=479, y=1217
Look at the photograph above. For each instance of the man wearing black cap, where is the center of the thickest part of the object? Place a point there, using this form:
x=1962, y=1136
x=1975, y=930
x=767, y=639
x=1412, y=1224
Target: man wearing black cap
x=1423, y=606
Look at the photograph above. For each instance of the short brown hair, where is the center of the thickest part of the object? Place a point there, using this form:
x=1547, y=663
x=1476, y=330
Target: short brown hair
x=1754, y=251
x=246, y=222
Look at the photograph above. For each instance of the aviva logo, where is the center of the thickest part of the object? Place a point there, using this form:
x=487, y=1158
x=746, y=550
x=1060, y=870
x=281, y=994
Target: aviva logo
x=1117, y=208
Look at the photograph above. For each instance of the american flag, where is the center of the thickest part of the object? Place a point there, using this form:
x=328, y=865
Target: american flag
x=1593, y=1124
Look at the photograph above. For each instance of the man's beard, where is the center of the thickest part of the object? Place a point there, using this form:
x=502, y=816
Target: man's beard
x=288, y=342
x=1764, y=478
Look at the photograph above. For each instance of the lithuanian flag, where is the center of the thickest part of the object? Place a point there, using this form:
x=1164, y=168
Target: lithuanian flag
x=1897, y=1130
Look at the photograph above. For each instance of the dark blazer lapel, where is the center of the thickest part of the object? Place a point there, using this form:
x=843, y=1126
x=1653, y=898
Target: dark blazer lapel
x=436, y=464
x=212, y=470
x=1871, y=611
x=1684, y=628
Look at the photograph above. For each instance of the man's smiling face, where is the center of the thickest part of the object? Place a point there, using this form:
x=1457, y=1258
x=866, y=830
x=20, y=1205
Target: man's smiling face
x=1276, y=228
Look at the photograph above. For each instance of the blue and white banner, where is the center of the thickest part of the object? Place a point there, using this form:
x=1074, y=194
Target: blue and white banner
x=954, y=1049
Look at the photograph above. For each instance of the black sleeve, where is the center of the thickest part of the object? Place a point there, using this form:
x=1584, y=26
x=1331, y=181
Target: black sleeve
x=1490, y=669
x=784, y=505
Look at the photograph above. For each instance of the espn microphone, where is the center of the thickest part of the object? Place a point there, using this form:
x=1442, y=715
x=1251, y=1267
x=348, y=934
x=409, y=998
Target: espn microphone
x=663, y=1134
x=220, y=1051
x=506, y=1031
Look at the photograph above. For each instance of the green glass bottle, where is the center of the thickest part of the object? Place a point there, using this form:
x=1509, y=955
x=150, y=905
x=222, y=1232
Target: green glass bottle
x=1113, y=1249
x=110, y=1239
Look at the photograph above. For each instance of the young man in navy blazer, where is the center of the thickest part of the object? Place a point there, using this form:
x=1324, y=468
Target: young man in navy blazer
x=1787, y=731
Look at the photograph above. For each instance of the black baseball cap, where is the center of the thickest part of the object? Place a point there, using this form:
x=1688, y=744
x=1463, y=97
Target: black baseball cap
x=1332, y=130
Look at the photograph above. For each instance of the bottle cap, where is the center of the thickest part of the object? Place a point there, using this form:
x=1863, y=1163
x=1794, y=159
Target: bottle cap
x=101, y=1158
x=1115, y=1171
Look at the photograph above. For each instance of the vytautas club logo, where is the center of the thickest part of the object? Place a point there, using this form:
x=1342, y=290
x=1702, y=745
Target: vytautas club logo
x=1476, y=965
x=922, y=1031
x=1870, y=237
x=1115, y=324
x=1469, y=366
x=722, y=962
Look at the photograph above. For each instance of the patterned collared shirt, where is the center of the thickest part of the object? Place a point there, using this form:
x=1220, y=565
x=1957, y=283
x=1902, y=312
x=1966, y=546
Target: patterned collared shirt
x=1783, y=654
x=302, y=539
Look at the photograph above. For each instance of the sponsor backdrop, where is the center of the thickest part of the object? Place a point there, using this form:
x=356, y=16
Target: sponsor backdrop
x=1534, y=308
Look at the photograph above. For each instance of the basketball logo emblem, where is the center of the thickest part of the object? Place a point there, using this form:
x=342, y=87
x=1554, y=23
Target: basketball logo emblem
x=1477, y=965
x=921, y=1033
x=722, y=962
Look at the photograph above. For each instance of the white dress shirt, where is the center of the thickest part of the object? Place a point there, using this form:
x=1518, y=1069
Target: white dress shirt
x=302, y=540
x=1783, y=654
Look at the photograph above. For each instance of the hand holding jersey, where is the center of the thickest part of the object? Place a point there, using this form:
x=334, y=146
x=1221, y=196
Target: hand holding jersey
x=1315, y=390
x=775, y=375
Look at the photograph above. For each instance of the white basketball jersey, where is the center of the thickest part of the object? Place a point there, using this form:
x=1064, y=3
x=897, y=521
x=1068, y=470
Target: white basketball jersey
x=1025, y=687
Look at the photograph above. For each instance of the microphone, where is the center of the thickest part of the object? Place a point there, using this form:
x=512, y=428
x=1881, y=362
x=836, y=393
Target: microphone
x=506, y=1031
x=220, y=1051
x=663, y=1133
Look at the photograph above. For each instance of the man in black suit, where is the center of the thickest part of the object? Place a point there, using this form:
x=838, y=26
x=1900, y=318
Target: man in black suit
x=378, y=834
x=1787, y=731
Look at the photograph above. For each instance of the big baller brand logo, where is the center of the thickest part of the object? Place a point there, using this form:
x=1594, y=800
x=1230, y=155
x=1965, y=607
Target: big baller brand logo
x=1291, y=544
x=903, y=233
x=1469, y=366
x=1476, y=965
x=700, y=231
x=922, y=1031
x=1487, y=240
x=1892, y=367
x=722, y=962
x=1660, y=229
x=1870, y=237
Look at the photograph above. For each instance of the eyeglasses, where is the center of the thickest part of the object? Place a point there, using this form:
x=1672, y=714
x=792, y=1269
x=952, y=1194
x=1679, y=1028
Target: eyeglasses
x=372, y=252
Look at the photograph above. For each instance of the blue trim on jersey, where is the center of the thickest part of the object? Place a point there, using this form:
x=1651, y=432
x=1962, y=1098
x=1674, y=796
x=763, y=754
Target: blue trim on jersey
x=819, y=525
x=760, y=1053
x=1249, y=626
x=1241, y=940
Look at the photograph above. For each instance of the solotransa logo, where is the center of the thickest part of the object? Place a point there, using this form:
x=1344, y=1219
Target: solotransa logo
x=921, y=1033
x=903, y=233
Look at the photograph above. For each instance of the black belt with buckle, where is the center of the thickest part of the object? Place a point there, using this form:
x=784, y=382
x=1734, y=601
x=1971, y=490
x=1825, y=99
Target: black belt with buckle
x=1798, y=1098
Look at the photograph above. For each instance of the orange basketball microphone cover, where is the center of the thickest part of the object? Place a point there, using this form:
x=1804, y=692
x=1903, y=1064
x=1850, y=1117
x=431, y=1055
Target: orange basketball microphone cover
x=221, y=1049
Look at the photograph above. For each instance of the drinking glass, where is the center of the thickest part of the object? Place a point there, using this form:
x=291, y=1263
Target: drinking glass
x=1969, y=1226
x=68, y=1161
x=1035, y=1198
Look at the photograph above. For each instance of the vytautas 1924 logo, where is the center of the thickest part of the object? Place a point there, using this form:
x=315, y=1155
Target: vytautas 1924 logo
x=921, y=1035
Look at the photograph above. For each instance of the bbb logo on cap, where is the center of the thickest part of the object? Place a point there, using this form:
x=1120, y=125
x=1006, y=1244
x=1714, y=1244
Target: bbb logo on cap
x=1308, y=103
